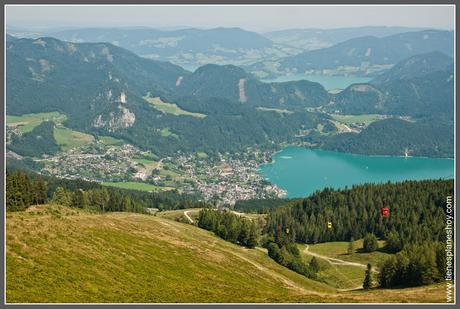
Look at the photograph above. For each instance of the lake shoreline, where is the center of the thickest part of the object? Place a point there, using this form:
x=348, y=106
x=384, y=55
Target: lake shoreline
x=302, y=170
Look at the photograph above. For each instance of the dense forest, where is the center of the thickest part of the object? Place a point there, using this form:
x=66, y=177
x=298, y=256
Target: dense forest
x=233, y=83
x=405, y=89
x=37, y=142
x=416, y=214
x=24, y=189
x=418, y=264
x=426, y=137
x=414, y=227
x=259, y=206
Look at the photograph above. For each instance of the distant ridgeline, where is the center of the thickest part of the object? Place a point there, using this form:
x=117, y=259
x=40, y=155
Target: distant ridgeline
x=365, y=55
x=24, y=189
x=416, y=214
x=105, y=90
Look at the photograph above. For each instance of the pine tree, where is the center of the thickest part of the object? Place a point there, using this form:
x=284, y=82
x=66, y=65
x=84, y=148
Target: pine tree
x=370, y=243
x=126, y=203
x=80, y=199
x=60, y=197
x=253, y=236
x=314, y=265
x=245, y=231
x=367, y=284
x=351, y=248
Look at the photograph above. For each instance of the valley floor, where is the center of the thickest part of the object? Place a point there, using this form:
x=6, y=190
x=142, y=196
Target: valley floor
x=57, y=254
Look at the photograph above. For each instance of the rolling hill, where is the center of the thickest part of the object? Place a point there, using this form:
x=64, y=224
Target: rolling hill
x=189, y=47
x=365, y=55
x=314, y=38
x=233, y=83
x=70, y=255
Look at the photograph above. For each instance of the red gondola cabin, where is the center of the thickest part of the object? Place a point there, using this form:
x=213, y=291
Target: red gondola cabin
x=385, y=212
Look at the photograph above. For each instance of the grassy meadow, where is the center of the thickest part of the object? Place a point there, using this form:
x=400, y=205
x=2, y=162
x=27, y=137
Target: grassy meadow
x=26, y=123
x=350, y=119
x=109, y=141
x=132, y=185
x=67, y=138
x=57, y=254
x=171, y=108
x=340, y=269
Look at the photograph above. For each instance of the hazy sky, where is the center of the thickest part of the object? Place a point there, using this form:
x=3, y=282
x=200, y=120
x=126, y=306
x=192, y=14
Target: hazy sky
x=256, y=18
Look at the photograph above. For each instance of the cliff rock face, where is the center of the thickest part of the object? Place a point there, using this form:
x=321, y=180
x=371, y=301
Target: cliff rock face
x=120, y=118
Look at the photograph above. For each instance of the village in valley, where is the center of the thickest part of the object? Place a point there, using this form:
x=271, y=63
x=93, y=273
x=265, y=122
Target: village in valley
x=223, y=180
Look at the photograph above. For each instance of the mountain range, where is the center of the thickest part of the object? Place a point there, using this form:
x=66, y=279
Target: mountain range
x=191, y=47
x=188, y=47
x=101, y=88
x=107, y=90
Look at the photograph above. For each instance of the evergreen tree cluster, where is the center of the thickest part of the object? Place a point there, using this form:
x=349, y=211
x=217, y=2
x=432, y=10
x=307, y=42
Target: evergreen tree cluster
x=418, y=264
x=230, y=227
x=416, y=214
x=97, y=200
x=258, y=205
x=289, y=256
x=37, y=142
x=370, y=243
x=24, y=189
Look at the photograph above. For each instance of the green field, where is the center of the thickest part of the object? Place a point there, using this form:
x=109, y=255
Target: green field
x=28, y=122
x=132, y=185
x=58, y=255
x=170, y=173
x=201, y=155
x=171, y=108
x=111, y=141
x=146, y=162
x=339, y=250
x=67, y=138
x=343, y=275
x=166, y=132
x=179, y=214
x=277, y=110
x=349, y=119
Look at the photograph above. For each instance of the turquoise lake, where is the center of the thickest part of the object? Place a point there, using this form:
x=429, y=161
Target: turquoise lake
x=328, y=82
x=301, y=171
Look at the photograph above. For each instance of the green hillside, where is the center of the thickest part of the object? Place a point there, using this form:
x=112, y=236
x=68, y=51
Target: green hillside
x=72, y=256
x=57, y=254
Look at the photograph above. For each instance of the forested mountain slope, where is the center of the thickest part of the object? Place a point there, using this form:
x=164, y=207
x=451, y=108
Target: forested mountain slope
x=421, y=85
x=235, y=84
x=101, y=89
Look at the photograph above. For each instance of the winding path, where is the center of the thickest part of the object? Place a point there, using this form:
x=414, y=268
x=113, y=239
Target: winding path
x=187, y=216
x=334, y=261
